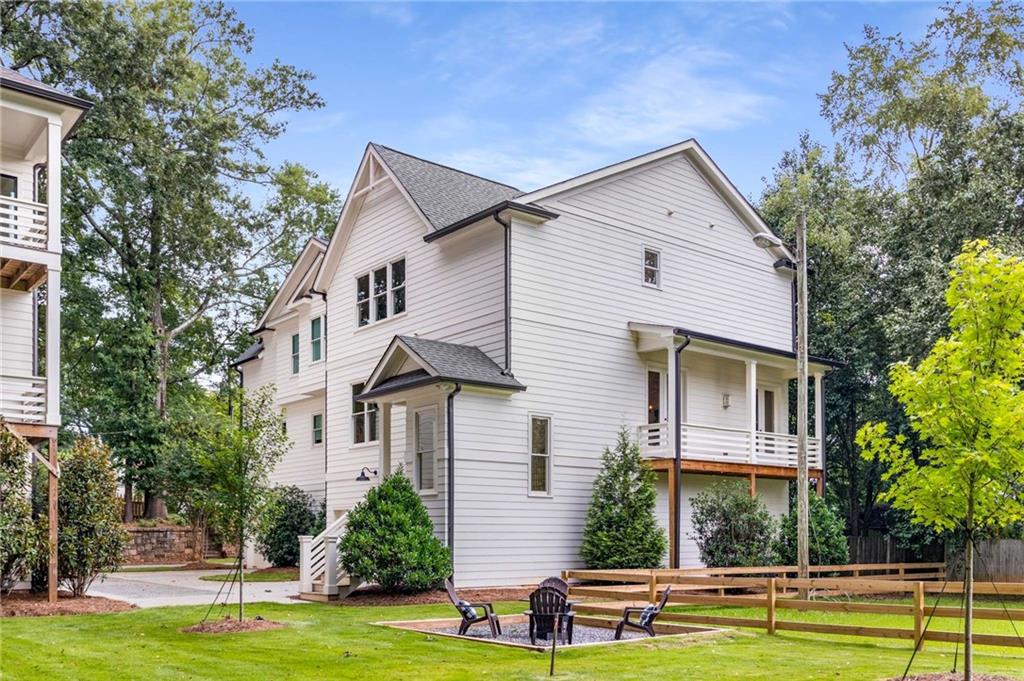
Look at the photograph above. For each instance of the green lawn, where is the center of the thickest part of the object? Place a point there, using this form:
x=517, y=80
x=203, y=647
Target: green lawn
x=270, y=575
x=325, y=641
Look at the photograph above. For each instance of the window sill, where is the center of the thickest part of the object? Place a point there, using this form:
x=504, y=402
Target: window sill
x=373, y=325
x=365, y=445
x=656, y=287
x=427, y=492
x=540, y=495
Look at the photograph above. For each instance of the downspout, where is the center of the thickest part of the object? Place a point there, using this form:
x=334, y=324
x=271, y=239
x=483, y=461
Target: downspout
x=507, y=371
x=677, y=462
x=323, y=295
x=450, y=418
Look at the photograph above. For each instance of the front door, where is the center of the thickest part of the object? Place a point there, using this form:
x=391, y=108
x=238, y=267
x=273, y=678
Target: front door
x=768, y=411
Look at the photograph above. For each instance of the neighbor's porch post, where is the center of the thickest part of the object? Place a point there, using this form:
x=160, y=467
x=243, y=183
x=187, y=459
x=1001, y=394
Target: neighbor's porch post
x=819, y=428
x=385, y=439
x=752, y=407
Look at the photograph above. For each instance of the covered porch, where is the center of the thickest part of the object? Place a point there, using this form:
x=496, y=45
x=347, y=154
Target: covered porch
x=724, y=407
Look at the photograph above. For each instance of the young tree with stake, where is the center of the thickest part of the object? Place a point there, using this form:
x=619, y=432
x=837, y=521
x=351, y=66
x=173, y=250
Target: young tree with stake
x=240, y=455
x=965, y=402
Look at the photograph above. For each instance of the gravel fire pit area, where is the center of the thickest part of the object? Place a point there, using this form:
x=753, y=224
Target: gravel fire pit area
x=588, y=631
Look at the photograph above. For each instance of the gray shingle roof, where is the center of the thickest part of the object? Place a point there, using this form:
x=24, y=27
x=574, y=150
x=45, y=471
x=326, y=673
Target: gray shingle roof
x=445, y=195
x=450, y=362
x=17, y=81
x=250, y=352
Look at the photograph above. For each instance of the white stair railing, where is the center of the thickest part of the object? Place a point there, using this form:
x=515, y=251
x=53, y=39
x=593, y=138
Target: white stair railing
x=318, y=557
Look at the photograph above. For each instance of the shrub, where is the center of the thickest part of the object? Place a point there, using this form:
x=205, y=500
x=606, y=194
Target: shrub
x=731, y=528
x=390, y=539
x=21, y=541
x=827, y=546
x=621, y=530
x=90, y=537
x=292, y=513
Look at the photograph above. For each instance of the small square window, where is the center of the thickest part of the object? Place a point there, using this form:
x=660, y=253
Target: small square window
x=652, y=267
x=318, y=429
x=9, y=186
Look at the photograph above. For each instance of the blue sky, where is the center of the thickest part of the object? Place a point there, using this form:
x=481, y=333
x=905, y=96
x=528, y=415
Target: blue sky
x=529, y=94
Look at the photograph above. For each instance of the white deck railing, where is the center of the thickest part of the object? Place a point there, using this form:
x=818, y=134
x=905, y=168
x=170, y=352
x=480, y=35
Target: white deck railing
x=22, y=223
x=319, y=558
x=727, y=445
x=23, y=398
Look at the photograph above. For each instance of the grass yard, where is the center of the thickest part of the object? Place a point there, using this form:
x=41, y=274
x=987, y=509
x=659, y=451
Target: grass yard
x=326, y=641
x=264, y=575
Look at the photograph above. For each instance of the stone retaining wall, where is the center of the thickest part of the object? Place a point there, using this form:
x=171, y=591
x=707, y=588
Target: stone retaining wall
x=160, y=545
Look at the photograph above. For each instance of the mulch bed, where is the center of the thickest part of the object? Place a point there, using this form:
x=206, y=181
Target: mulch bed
x=953, y=676
x=27, y=604
x=371, y=596
x=229, y=625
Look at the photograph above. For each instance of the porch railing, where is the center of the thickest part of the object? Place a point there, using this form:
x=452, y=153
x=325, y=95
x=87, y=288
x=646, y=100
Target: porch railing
x=319, y=561
x=727, y=445
x=23, y=398
x=23, y=223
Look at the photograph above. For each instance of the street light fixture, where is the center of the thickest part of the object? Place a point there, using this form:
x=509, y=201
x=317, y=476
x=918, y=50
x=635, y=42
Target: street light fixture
x=769, y=240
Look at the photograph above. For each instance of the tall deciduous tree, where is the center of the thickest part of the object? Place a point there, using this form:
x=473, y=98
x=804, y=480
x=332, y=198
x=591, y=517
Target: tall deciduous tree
x=172, y=250
x=965, y=402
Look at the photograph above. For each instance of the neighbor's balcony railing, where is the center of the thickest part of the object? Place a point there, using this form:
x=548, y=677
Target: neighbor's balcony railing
x=22, y=223
x=727, y=445
x=23, y=398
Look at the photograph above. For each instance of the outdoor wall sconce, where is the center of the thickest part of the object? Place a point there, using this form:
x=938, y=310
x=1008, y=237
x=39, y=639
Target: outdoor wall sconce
x=726, y=400
x=363, y=477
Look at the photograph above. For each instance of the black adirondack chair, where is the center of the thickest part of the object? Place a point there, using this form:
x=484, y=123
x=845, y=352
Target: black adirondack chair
x=548, y=609
x=645, y=616
x=556, y=583
x=472, y=613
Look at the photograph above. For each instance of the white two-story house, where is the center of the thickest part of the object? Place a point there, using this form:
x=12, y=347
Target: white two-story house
x=493, y=341
x=34, y=121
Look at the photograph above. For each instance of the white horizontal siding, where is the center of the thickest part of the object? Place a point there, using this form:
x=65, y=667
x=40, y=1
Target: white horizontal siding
x=454, y=293
x=16, y=333
x=303, y=466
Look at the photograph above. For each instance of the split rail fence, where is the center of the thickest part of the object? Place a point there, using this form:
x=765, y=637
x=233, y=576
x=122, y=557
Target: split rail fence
x=775, y=590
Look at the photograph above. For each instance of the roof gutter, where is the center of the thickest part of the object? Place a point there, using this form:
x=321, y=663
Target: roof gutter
x=696, y=335
x=526, y=208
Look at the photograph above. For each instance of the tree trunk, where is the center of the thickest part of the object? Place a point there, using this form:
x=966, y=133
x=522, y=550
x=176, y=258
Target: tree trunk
x=969, y=592
x=155, y=508
x=129, y=507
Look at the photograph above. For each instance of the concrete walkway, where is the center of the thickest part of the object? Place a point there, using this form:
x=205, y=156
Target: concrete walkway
x=183, y=587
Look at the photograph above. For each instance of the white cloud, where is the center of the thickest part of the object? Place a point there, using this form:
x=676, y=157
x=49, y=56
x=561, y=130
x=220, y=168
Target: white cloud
x=400, y=13
x=319, y=122
x=675, y=95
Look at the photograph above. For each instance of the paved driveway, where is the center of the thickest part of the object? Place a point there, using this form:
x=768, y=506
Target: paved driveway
x=183, y=587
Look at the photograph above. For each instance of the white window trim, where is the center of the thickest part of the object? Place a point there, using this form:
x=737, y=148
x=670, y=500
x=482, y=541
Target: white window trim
x=549, y=494
x=424, y=491
x=295, y=353
x=389, y=292
x=644, y=248
x=366, y=424
x=321, y=339
x=312, y=429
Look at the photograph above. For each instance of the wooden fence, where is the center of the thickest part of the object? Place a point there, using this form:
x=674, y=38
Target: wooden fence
x=771, y=589
x=884, y=549
x=999, y=560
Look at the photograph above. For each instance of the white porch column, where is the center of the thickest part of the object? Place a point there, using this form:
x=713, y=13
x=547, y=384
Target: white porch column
x=330, y=566
x=384, y=410
x=819, y=412
x=53, y=347
x=53, y=185
x=752, y=407
x=305, y=563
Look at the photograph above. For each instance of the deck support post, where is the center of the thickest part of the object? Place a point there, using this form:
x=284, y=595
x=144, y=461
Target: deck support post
x=753, y=485
x=51, y=577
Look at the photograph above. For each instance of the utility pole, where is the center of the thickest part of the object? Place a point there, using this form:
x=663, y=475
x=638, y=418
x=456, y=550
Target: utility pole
x=802, y=481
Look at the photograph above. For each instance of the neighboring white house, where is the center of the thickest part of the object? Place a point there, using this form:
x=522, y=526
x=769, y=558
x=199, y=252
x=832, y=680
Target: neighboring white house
x=514, y=333
x=34, y=120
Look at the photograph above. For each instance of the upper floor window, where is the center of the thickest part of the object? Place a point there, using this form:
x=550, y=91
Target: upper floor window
x=318, y=429
x=426, y=449
x=9, y=186
x=540, y=455
x=315, y=339
x=380, y=293
x=652, y=267
x=364, y=418
x=295, y=353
